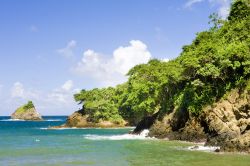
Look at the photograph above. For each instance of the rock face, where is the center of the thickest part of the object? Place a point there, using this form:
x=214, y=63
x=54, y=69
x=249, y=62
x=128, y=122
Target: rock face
x=79, y=120
x=229, y=122
x=145, y=123
x=225, y=124
x=27, y=112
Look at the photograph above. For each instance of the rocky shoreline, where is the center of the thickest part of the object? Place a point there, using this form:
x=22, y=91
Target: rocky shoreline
x=224, y=124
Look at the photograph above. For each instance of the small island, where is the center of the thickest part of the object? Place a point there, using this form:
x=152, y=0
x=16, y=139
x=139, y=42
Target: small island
x=27, y=112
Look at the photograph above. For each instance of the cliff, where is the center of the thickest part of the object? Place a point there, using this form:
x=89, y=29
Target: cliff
x=225, y=123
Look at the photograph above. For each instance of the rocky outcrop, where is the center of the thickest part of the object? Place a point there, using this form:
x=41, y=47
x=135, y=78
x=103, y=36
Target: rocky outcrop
x=80, y=120
x=145, y=123
x=229, y=122
x=27, y=112
x=226, y=123
x=175, y=126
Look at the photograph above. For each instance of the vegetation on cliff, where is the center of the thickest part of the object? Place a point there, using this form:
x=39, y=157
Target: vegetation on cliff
x=216, y=61
x=27, y=112
x=25, y=107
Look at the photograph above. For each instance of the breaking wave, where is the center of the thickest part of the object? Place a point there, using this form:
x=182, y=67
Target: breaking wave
x=53, y=120
x=8, y=120
x=203, y=148
x=143, y=135
x=48, y=120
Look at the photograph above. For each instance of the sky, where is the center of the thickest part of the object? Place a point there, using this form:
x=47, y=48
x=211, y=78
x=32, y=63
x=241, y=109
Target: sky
x=50, y=50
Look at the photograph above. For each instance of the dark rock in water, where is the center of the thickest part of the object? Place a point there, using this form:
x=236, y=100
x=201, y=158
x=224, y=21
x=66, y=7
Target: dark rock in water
x=195, y=147
x=27, y=112
x=217, y=150
x=145, y=123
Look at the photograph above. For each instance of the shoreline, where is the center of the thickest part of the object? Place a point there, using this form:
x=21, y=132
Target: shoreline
x=66, y=127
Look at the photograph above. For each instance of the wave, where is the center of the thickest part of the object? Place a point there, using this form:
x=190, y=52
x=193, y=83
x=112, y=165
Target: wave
x=64, y=128
x=7, y=120
x=48, y=120
x=143, y=135
x=203, y=148
x=82, y=128
x=37, y=140
x=53, y=120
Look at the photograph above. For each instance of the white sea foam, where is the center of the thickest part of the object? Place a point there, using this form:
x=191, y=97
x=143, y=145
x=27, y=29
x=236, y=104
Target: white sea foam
x=7, y=120
x=53, y=120
x=64, y=128
x=82, y=128
x=49, y=120
x=203, y=148
x=141, y=136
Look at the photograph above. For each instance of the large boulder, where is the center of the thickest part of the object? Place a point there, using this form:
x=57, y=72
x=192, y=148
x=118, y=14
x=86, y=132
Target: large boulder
x=27, y=112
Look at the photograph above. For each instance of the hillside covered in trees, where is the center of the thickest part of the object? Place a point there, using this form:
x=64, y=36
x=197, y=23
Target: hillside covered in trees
x=202, y=96
x=217, y=61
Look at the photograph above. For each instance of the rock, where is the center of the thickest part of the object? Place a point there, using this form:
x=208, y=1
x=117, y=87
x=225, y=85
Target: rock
x=195, y=147
x=162, y=126
x=217, y=150
x=27, y=112
x=226, y=124
x=175, y=126
x=145, y=123
x=230, y=122
x=80, y=120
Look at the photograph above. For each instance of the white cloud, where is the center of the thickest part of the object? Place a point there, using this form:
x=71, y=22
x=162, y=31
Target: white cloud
x=111, y=71
x=223, y=7
x=57, y=101
x=67, y=86
x=190, y=3
x=18, y=91
x=34, y=28
x=165, y=60
x=124, y=58
x=68, y=50
x=62, y=95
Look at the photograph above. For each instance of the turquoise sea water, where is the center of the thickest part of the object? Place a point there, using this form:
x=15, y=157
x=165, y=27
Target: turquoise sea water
x=31, y=143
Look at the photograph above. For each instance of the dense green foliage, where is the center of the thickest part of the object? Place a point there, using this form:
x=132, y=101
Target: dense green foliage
x=29, y=105
x=216, y=61
x=25, y=107
x=100, y=104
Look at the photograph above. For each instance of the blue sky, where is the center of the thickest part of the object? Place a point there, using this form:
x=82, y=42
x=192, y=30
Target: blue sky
x=51, y=49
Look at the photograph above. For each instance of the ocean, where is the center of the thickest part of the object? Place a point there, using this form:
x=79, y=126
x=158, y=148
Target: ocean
x=29, y=143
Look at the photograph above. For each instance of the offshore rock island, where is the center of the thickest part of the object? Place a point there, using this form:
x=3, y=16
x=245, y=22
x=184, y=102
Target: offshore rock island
x=27, y=112
x=201, y=96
